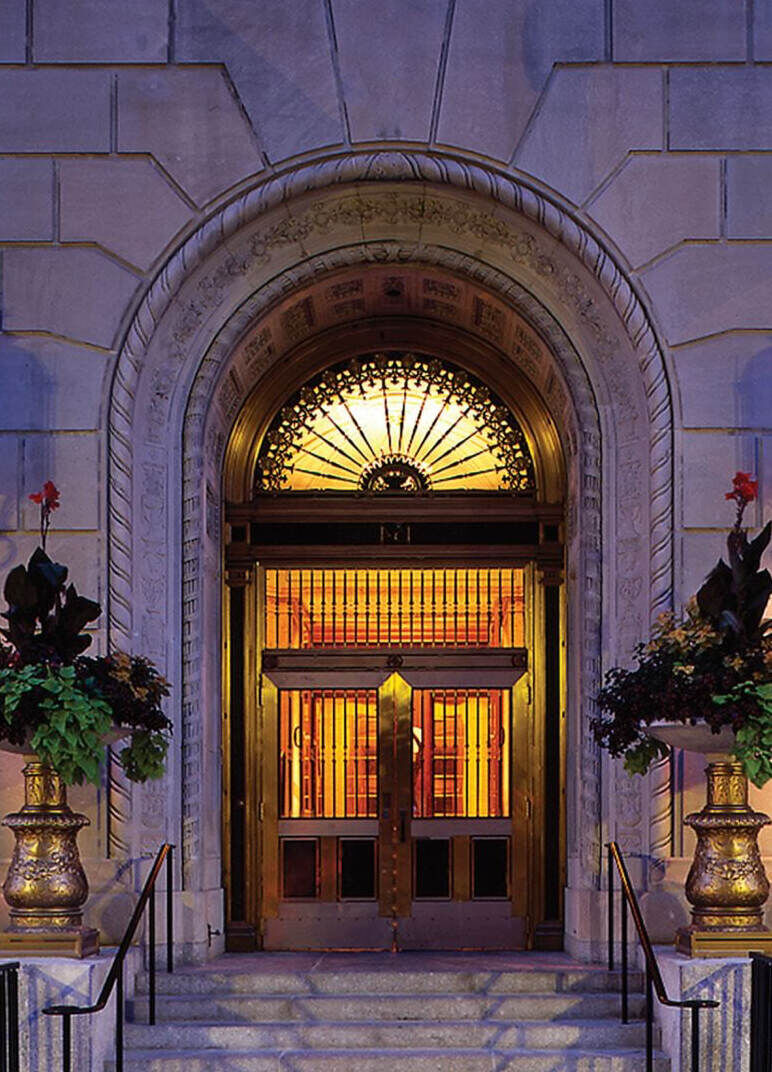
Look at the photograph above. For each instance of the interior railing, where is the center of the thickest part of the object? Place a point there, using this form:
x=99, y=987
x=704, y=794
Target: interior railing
x=114, y=978
x=9, y=1017
x=654, y=983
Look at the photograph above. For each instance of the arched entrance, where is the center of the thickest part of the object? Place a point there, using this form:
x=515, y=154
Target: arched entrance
x=395, y=738
x=216, y=331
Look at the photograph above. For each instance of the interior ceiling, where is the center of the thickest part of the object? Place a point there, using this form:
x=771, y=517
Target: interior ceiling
x=373, y=307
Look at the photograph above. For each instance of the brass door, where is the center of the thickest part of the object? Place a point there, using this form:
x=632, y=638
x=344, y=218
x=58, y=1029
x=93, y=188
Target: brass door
x=394, y=822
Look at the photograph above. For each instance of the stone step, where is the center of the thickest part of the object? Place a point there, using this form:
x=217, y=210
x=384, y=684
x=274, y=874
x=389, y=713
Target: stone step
x=249, y=1008
x=388, y=1035
x=419, y=1060
x=204, y=981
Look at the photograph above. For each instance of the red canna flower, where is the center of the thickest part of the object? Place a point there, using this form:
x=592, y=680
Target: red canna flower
x=744, y=490
x=48, y=501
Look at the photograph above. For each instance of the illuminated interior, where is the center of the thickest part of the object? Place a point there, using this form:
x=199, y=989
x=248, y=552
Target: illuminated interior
x=461, y=753
x=368, y=608
x=328, y=758
x=394, y=423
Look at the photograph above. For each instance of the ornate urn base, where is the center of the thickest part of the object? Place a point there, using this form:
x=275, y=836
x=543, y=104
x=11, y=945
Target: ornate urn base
x=46, y=885
x=727, y=885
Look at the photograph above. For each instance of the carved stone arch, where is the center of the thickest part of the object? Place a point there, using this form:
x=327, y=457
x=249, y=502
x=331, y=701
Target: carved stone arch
x=180, y=381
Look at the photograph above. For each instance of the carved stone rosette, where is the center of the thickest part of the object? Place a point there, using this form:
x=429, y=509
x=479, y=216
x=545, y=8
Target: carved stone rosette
x=727, y=885
x=46, y=885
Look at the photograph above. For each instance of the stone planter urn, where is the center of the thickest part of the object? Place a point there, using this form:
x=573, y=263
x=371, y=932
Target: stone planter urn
x=727, y=885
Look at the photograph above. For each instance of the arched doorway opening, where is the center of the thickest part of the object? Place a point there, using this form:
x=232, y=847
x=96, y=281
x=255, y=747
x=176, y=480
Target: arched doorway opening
x=395, y=655
x=321, y=248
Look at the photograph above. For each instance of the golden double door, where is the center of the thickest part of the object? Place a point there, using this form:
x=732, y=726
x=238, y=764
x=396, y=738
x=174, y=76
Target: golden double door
x=394, y=809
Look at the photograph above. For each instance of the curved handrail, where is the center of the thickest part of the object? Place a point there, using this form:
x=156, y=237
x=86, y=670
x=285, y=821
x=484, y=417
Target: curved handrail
x=123, y=948
x=654, y=982
x=643, y=937
x=114, y=977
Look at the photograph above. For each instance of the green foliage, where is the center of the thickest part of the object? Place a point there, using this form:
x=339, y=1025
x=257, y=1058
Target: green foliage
x=145, y=757
x=712, y=665
x=69, y=735
x=753, y=740
x=65, y=713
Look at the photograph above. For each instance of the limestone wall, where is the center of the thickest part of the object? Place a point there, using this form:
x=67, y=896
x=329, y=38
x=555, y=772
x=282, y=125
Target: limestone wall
x=125, y=123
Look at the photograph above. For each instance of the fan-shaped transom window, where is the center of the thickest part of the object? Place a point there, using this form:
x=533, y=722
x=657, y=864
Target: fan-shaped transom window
x=394, y=422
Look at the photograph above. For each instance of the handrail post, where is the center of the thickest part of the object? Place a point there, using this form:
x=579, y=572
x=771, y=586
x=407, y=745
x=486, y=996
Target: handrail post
x=119, y=1020
x=66, y=1043
x=169, y=911
x=695, y=1038
x=625, y=1014
x=151, y=955
x=649, y=1020
x=13, y=1017
x=610, y=866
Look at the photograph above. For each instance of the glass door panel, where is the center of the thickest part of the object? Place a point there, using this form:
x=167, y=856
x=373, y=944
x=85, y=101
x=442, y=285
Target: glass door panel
x=461, y=744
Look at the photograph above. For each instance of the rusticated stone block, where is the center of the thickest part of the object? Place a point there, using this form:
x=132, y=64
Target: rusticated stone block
x=125, y=205
x=9, y=489
x=654, y=202
x=72, y=462
x=78, y=293
x=709, y=460
x=721, y=108
x=13, y=31
x=588, y=121
x=26, y=200
x=749, y=196
x=499, y=59
x=100, y=31
x=662, y=30
x=48, y=110
x=50, y=384
x=189, y=121
x=701, y=290
x=726, y=382
x=389, y=89
x=278, y=56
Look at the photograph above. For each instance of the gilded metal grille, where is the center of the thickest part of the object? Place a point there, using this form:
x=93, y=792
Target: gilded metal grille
x=361, y=608
x=395, y=422
x=328, y=753
x=461, y=766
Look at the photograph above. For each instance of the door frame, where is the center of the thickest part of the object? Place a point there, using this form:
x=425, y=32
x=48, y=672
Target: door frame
x=249, y=802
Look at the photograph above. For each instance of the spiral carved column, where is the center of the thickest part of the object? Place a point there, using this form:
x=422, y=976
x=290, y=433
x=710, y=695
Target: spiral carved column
x=46, y=885
x=727, y=885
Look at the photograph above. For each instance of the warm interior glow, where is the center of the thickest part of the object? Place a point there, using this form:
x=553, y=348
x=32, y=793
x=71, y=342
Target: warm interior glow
x=328, y=759
x=391, y=423
x=312, y=608
x=461, y=753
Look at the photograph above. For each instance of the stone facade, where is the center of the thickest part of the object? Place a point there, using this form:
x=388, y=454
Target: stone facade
x=168, y=174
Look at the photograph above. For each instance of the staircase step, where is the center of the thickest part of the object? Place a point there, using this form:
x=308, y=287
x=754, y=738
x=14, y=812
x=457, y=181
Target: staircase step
x=387, y=1035
x=249, y=1008
x=419, y=1060
x=202, y=981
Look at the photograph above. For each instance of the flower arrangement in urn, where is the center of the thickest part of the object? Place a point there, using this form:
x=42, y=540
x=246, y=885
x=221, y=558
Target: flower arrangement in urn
x=61, y=707
x=714, y=664
x=704, y=683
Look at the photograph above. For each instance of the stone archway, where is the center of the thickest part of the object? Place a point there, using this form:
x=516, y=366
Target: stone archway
x=190, y=359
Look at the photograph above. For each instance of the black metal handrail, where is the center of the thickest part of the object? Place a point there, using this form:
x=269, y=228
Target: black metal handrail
x=761, y=1013
x=114, y=977
x=9, y=1017
x=654, y=983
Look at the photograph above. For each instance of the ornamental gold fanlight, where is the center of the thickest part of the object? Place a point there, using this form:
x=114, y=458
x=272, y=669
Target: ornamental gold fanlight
x=395, y=422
